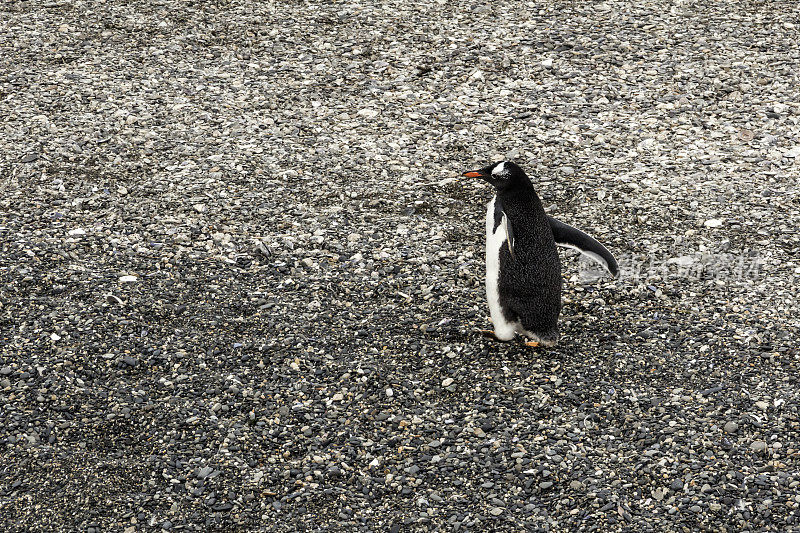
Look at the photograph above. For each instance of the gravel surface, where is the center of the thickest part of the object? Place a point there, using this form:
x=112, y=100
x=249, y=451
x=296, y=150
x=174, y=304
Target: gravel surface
x=241, y=282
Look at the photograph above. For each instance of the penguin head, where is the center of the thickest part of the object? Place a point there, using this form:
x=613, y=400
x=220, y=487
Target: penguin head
x=503, y=175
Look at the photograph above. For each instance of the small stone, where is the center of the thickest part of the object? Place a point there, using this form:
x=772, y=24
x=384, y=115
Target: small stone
x=338, y=397
x=77, y=231
x=113, y=300
x=676, y=485
x=130, y=361
x=29, y=158
x=128, y=279
x=544, y=485
x=576, y=485
x=548, y=63
x=731, y=427
x=478, y=432
x=496, y=511
x=446, y=382
x=762, y=405
x=55, y=337
x=712, y=223
x=389, y=392
x=793, y=152
x=758, y=446
x=368, y=112
x=200, y=208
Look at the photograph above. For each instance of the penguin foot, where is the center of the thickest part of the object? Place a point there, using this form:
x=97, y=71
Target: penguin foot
x=488, y=333
x=533, y=344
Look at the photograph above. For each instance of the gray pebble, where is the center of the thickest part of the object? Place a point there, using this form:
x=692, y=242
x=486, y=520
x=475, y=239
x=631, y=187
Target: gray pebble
x=204, y=472
x=731, y=427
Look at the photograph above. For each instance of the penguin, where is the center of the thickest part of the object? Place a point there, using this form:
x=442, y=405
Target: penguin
x=523, y=269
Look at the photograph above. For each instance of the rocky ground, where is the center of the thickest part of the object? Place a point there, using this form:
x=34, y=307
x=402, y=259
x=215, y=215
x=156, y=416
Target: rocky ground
x=240, y=278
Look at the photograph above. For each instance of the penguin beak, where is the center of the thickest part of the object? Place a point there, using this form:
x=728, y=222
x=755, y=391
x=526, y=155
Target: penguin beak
x=475, y=174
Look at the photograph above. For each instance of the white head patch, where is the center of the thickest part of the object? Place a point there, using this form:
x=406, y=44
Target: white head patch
x=499, y=169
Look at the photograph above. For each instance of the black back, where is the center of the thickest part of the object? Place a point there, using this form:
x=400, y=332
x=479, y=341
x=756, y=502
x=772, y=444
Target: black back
x=530, y=280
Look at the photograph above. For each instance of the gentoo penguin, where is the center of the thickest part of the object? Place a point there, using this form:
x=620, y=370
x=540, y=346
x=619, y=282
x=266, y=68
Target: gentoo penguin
x=523, y=270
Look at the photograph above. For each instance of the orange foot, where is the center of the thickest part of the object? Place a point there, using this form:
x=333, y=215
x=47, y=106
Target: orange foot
x=488, y=333
x=532, y=344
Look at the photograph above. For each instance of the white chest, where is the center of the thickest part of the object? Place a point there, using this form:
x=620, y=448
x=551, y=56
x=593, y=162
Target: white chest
x=495, y=237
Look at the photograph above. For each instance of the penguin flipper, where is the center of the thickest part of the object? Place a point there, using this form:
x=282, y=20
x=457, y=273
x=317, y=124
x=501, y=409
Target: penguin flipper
x=569, y=237
x=509, y=234
x=500, y=218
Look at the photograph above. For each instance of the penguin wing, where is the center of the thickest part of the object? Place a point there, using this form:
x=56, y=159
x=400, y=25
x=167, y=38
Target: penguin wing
x=569, y=237
x=500, y=218
x=509, y=234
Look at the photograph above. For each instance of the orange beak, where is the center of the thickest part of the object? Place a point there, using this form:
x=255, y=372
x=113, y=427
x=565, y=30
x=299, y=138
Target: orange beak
x=473, y=174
